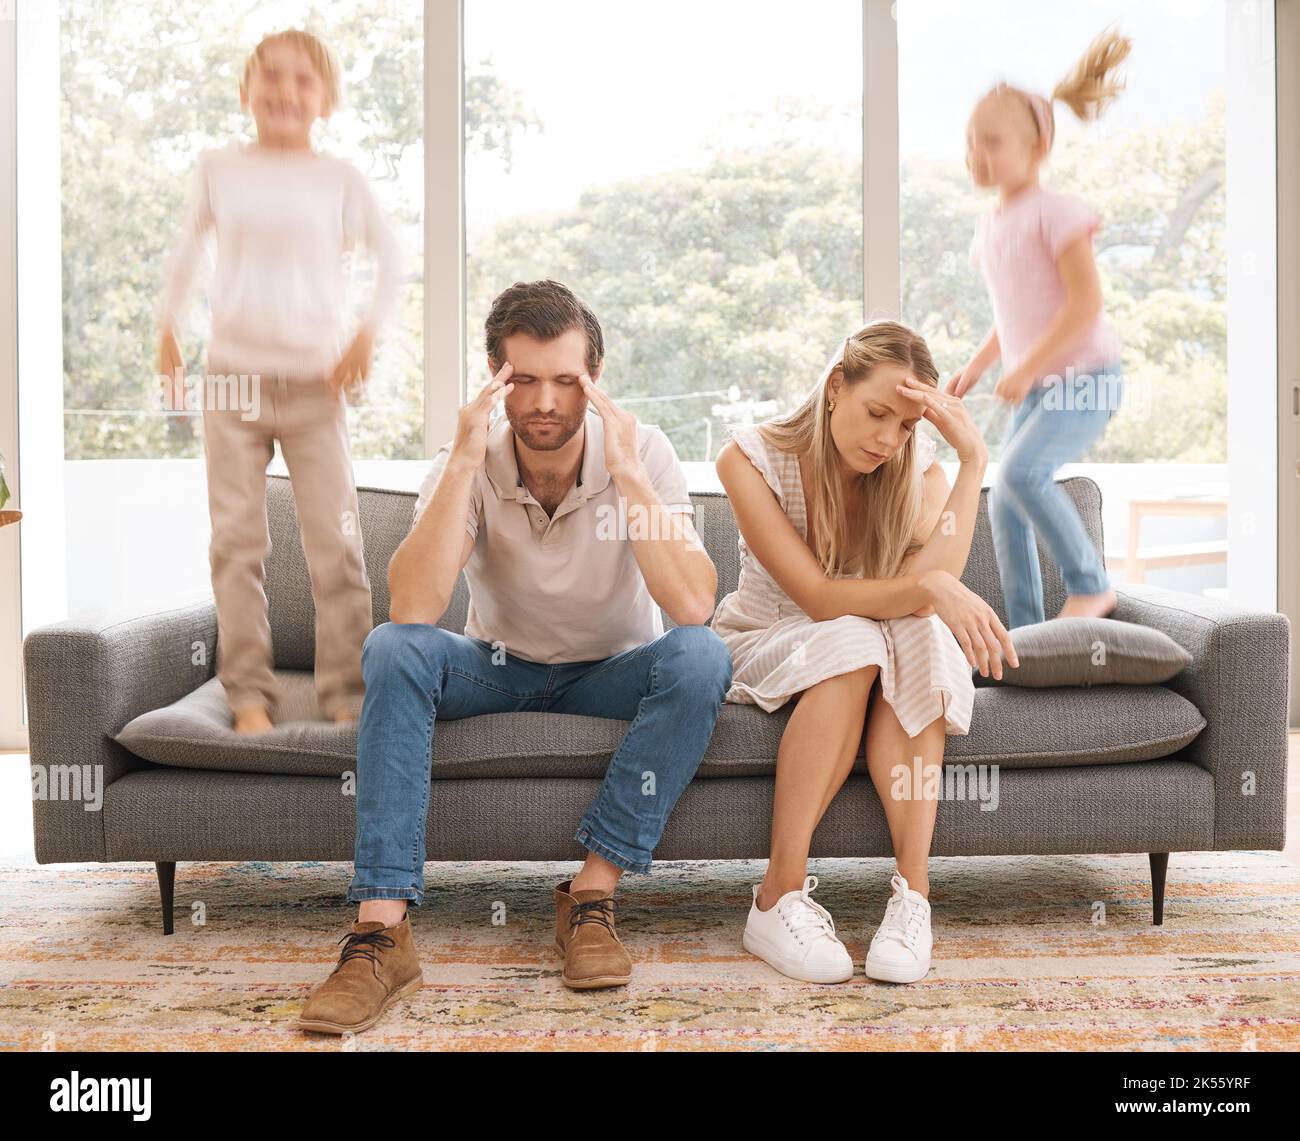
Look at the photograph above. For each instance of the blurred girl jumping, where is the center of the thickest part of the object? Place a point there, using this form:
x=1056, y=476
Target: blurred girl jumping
x=1060, y=359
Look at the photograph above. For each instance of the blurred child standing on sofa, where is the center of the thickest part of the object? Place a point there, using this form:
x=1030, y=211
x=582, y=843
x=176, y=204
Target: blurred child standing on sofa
x=1060, y=358
x=285, y=217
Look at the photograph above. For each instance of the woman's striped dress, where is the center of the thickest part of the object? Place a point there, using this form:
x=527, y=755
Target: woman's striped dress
x=777, y=651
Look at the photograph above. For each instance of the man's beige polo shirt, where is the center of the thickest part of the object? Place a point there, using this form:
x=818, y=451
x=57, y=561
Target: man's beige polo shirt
x=565, y=588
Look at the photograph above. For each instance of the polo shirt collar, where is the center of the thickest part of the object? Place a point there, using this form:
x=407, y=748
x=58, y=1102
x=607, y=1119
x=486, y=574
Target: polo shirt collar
x=503, y=467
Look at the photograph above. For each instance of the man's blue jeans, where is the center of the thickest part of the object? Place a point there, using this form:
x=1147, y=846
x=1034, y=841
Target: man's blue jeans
x=1054, y=425
x=670, y=689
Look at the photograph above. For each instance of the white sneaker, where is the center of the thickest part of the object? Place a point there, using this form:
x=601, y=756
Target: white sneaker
x=797, y=937
x=900, y=950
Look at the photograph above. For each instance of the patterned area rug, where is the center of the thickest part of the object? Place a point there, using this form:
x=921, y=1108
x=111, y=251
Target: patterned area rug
x=1049, y=952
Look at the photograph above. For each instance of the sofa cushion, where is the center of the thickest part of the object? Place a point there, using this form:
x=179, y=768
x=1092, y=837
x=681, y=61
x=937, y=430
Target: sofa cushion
x=1065, y=651
x=1013, y=727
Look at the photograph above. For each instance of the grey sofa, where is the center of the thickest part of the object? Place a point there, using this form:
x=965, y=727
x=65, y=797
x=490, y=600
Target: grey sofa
x=1198, y=764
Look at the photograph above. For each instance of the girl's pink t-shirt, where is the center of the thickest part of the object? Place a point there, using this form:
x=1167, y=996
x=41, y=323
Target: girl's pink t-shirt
x=1017, y=247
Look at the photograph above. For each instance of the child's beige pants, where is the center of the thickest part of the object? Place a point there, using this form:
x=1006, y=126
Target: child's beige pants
x=309, y=420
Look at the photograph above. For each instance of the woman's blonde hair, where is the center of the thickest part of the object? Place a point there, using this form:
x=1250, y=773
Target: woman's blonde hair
x=320, y=53
x=1089, y=88
x=868, y=532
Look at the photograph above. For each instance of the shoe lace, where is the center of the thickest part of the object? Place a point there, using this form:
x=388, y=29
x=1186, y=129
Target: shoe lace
x=903, y=918
x=806, y=918
x=593, y=911
x=362, y=946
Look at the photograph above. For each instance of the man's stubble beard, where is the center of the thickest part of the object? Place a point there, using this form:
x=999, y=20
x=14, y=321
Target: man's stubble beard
x=547, y=442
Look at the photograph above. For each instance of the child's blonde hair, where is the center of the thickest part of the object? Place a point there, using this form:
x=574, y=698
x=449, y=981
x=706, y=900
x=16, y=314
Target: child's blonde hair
x=1088, y=90
x=320, y=53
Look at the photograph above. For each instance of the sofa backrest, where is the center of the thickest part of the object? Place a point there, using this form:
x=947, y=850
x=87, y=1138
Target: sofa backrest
x=386, y=520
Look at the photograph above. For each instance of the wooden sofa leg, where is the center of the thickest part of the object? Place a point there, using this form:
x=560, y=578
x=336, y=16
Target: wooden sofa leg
x=166, y=888
x=1159, y=866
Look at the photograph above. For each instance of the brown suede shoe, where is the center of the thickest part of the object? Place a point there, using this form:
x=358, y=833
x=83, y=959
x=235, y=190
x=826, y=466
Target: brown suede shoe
x=378, y=966
x=585, y=937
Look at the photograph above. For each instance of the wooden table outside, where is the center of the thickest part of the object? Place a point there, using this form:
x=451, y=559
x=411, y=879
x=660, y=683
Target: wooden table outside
x=1133, y=560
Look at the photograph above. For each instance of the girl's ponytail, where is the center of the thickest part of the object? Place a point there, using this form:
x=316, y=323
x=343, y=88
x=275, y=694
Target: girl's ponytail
x=1091, y=86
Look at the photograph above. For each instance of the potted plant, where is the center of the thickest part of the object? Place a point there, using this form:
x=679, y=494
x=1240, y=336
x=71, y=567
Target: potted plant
x=7, y=515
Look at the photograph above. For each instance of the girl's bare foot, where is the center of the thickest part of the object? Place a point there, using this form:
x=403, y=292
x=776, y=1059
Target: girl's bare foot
x=343, y=716
x=1089, y=605
x=252, y=719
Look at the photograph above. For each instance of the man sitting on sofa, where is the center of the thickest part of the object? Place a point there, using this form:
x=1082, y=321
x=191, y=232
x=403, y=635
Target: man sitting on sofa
x=572, y=521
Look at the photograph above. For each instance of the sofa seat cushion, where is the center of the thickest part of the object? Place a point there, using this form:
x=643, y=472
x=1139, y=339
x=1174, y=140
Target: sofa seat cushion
x=1011, y=726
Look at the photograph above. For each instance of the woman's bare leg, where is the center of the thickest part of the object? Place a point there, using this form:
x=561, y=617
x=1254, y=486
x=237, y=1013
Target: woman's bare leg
x=815, y=757
x=911, y=821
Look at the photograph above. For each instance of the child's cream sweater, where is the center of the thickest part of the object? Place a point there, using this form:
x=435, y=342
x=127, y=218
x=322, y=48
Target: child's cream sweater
x=285, y=222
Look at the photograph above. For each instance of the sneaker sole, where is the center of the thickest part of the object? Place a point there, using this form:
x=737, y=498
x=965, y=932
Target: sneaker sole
x=339, y=1028
x=593, y=983
x=761, y=950
x=893, y=973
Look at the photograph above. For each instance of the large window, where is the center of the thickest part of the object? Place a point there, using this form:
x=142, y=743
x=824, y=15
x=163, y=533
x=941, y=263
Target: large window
x=694, y=171
x=145, y=87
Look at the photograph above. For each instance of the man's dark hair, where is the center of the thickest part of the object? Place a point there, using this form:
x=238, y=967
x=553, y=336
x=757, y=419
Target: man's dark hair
x=545, y=310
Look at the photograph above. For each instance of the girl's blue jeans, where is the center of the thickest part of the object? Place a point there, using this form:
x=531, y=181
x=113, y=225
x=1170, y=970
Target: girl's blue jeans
x=1054, y=425
x=670, y=689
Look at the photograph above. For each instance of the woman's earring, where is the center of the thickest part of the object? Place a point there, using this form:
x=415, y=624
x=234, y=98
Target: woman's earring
x=831, y=406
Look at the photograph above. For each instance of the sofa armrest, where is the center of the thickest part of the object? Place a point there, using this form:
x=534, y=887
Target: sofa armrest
x=1239, y=678
x=85, y=679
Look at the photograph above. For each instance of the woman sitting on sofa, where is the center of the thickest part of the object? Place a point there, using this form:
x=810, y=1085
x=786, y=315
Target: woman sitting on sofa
x=852, y=545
